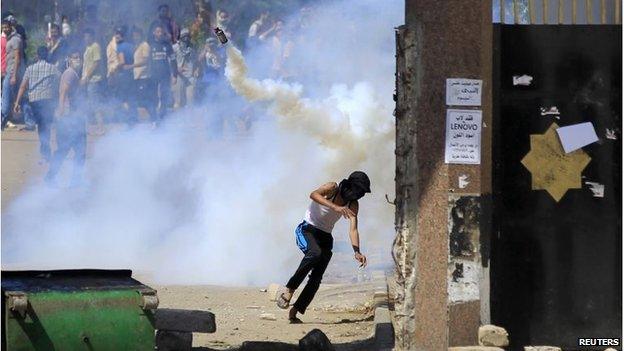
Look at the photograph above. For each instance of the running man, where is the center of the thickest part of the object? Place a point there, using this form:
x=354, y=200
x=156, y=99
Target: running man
x=313, y=235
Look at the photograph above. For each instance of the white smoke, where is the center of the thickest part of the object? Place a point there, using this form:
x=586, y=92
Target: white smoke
x=189, y=209
x=349, y=122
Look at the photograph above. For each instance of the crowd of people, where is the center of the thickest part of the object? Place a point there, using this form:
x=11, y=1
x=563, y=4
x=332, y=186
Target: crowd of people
x=81, y=78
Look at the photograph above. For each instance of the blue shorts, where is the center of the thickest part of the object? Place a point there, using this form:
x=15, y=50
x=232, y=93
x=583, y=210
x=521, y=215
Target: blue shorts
x=322, y=237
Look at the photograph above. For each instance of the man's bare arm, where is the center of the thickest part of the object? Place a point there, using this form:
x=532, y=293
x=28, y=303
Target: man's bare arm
x=354, y=234
x=326, y=190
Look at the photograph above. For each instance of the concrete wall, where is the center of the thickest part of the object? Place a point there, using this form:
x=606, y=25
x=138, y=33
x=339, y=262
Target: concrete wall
x=442, y=290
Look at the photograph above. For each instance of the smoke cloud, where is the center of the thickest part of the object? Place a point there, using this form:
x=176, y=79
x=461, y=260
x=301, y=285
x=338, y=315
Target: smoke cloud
x=187, y=208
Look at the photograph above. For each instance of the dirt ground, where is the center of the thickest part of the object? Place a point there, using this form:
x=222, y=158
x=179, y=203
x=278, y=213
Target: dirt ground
x=343, y=311
x=238, y=312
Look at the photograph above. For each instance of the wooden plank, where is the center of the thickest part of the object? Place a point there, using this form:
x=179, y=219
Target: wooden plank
x=603, y=11
x=185, y=320
x=532, y=11
x=618, y=14
x=545, y=11
x=561, y=10
x=573, y=11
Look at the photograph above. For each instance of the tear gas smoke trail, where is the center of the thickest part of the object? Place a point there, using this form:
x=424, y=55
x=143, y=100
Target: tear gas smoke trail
x=330, y=121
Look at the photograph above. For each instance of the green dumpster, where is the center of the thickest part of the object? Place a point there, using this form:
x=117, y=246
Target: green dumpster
x=76, y=310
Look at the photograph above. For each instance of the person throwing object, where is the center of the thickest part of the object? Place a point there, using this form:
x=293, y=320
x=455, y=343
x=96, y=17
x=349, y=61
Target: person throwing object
x=313, y=236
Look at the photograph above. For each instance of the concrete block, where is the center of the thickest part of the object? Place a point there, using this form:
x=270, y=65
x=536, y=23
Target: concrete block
x=167, y=340
x=272, y=291
x=184, y=320
x=380, y=295
x=315, y=340
x=542, y=348
x=475, y=348
x=491, y=335
x=384, y=333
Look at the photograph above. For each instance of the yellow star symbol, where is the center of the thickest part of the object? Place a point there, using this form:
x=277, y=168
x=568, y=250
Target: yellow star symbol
x=551, y=168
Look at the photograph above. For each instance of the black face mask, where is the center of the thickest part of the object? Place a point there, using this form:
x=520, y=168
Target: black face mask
x=350, y=192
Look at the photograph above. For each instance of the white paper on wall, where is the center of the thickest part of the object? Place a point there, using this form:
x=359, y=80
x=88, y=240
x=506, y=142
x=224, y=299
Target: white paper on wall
x=576, y=136
x=463, y=92
x=463, y=137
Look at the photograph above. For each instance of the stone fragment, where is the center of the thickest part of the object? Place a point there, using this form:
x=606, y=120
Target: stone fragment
x=491, y=335
x=542, y=348
x=272, y=291
x=268, y=317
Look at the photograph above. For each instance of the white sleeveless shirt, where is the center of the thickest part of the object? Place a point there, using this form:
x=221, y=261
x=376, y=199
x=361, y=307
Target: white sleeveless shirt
x=322, y=217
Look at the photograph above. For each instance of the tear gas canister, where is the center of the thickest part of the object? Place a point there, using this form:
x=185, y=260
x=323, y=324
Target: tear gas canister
x=221, y=35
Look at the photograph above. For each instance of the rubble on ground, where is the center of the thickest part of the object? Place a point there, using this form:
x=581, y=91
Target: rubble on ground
x=491, y=335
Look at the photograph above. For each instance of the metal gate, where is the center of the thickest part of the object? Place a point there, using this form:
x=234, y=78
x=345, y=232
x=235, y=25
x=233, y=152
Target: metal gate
x=556, y=254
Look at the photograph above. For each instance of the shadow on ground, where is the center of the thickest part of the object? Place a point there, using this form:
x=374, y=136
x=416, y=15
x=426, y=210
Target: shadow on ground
x=363, y=345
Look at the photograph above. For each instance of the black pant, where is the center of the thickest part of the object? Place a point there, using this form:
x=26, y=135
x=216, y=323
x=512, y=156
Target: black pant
x=43, y=114
x=127, y=94
x=71, y=134
x=317, y=246
x=147, y=96
x=165, y=97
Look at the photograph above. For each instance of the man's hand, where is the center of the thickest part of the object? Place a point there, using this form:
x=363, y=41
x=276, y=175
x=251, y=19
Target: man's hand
x=17, y=108
x=13, y=80
x=360, y=258
x=174, y=80
x=344, y=211
x=83, y=81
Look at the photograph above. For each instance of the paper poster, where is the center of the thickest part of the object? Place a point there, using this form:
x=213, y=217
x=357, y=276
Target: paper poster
x=577, y=136
x=522, y=80
x=463, y=137
x=463, y=92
